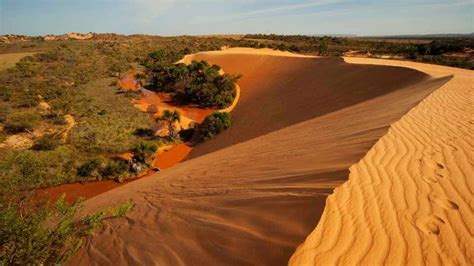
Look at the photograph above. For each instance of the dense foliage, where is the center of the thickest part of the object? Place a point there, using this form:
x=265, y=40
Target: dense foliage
x=198, y=83
x=213, y=125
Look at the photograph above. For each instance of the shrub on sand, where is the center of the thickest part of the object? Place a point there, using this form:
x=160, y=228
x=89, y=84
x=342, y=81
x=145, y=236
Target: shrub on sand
x=213, y=125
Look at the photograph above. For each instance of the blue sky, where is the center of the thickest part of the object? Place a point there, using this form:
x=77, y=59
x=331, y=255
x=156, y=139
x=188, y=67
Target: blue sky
x=179, y=17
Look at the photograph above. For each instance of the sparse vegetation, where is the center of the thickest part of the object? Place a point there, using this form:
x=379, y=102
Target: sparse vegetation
x=40, y=233
x=37, y=233
x=21, y=121
x=47, y=142
x=122, y=210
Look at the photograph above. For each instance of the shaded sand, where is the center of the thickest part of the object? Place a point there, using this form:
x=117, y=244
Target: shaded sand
x=409, y=201
x=302, y=123
x=278, y=91
x=172, y=156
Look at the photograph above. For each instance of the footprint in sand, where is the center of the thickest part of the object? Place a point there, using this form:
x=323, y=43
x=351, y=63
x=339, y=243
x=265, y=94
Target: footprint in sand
x=435, y=171
x=432, y=164
x=443, y=202
x=429, y=224
x=438, y=168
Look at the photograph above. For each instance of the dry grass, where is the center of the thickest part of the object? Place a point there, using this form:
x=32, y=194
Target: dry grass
x=9, y=60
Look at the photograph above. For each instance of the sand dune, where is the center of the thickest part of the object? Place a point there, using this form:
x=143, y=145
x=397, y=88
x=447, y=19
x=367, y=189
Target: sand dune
x=409, y=201
x=279, y=91
x=255, y=192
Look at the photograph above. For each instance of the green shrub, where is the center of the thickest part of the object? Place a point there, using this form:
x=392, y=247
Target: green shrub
x=197, y=83
x=186, y=134
x=144, y=132
x=26, y=99
x=37, y=234
x=122, y=210
x=56, y=119
x=88, y=168
x=144, y=152
x=93, y=221
x=47, y=142
x=115, y=168
x=21, y=121
x=213, y=125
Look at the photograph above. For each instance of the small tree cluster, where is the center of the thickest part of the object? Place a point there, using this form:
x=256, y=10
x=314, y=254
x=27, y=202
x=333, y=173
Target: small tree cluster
x=198, y=83
x=213, y=125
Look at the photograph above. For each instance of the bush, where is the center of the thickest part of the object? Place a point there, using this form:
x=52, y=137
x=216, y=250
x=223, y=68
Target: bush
x=144, y=132
x=186, y=134
x=144, y=152
x=198, y=83
x=213, y=125
x=37, y=234
x=4, y=111
x=93, y=221
x=40, y=233
x=115, y=168
x=56, y=119
x=47, y=142
x=88, y=168
x=21, y=121
x=122, y=210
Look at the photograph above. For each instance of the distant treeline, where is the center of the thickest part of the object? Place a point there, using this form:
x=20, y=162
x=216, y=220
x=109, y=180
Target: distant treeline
x=437, y=51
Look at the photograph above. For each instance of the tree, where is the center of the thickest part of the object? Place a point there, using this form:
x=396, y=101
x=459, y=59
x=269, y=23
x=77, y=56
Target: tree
x=171, y=117
x=144, y=152
x=198, y=83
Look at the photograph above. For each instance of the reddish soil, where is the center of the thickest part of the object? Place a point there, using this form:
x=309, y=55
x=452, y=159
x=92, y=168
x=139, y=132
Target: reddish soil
x=163, y=100
x=86, y=190
x=128, y=82
x=176, y=154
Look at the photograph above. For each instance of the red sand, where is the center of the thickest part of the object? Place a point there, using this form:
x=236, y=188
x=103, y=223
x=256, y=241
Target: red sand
x=74, y=191
x=128, y=82
x=164, y=100
x=86, y=190
x=173, y=156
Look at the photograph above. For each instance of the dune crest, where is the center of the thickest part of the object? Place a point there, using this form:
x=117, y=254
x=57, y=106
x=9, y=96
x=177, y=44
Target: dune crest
x=409, y=200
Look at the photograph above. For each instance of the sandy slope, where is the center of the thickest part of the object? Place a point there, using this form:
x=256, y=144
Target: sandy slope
x=252, y=195
x=279, y=91
x=409, y=201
